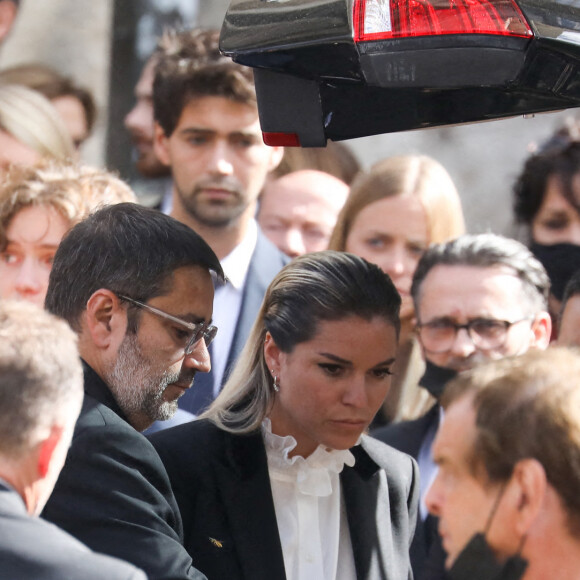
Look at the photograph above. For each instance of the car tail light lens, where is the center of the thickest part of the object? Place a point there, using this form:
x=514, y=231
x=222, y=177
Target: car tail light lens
x=385, y=19
x=280, y=139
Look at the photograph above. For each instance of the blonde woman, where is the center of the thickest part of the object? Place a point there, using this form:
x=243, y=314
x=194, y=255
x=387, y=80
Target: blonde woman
x=30, y=128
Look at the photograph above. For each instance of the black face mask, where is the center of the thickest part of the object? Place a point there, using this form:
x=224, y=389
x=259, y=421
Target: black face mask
x=477, y=562
x=435, y=378
x=560, y=261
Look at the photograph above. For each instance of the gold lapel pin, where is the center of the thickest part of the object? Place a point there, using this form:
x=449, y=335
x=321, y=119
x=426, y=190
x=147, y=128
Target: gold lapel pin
x=216, y=543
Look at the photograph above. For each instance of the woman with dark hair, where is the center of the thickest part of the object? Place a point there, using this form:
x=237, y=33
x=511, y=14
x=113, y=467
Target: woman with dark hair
x=277, y=479
x=547, y=203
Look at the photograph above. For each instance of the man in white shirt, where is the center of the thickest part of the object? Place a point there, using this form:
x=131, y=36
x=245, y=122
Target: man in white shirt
x=207, y=131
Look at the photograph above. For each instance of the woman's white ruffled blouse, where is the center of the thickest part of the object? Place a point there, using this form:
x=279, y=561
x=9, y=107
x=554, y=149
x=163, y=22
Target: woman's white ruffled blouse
x=310, y=509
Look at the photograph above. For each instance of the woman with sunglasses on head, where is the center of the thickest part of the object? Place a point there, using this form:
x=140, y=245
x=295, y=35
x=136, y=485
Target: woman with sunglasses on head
x=547, y=204
x=277, y=479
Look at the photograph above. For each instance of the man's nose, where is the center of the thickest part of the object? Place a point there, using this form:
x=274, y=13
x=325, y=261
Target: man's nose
x=462, y=345
x=199, y=358
x=434, y=497
x=220, y=162
x=293, y=243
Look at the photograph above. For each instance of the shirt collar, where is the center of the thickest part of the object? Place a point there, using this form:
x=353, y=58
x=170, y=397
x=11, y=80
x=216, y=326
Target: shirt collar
x=237, y=262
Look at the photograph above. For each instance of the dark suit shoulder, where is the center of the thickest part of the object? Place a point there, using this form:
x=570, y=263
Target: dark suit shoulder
x=56, y=554
x=114, y=495
x=407, y=436
x=187, y=449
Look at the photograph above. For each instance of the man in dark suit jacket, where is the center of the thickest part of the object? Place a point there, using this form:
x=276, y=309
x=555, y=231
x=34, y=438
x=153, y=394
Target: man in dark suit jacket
x=41, y=393
x=222, y=486
x=476, y=298
x=208, y=132
x=136, y=286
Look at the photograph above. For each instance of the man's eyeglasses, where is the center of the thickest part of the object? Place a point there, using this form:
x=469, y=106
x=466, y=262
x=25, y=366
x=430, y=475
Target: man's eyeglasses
x=439, y=335
x=195, y=331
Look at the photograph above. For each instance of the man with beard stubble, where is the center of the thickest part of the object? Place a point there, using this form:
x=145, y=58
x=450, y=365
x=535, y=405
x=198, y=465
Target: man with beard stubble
x=207, y=130
x=137, y=287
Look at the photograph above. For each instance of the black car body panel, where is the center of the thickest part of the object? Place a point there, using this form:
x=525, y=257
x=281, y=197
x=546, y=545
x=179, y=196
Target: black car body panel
x=313, y=80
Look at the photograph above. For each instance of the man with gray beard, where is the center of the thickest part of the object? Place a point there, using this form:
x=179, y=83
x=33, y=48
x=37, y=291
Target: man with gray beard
x=137, y=286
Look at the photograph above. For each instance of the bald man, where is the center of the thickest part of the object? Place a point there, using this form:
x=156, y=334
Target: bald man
x=298, y=210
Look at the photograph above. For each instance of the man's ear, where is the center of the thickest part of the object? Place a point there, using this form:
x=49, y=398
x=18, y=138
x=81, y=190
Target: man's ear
x=528, y=487
x=46, y=449
x=541, y=331
x=272, y=354
x=161, y=145
x=276, y=155
x=105, y=318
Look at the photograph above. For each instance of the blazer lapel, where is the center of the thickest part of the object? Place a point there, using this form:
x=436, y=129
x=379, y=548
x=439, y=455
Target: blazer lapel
x=247, y=498
x=366, y=497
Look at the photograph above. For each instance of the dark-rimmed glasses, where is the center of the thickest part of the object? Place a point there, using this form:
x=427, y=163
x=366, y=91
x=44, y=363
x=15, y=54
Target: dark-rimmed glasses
x=198, y=331
x=439, y=335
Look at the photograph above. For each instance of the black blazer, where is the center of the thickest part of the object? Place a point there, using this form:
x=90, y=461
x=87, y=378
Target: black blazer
x=32, y=549
x=113, y=493
x=222, y=486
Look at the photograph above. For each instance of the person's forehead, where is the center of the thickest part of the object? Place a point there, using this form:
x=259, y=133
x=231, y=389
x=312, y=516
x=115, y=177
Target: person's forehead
x=220, y=115
x=459, y=287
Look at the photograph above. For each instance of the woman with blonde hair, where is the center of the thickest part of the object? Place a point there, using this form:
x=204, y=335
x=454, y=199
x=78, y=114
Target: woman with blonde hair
x=393, y=213
x=30, y=128
x=279, y=465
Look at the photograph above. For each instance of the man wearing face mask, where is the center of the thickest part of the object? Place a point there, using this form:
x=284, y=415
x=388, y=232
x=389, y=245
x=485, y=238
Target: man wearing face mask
x=506, y=493
x=477, y=298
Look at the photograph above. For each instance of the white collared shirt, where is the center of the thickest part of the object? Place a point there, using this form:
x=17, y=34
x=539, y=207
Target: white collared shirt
x=310, y=511
x=228, y=301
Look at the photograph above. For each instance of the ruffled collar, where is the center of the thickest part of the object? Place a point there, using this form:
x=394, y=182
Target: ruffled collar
x=313, y=475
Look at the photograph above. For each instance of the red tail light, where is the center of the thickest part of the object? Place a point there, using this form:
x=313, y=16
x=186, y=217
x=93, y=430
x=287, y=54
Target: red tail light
x=385, y=19
x=280, y=139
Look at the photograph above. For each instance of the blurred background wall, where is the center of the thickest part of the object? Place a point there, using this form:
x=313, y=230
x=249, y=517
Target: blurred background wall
x=103, y=45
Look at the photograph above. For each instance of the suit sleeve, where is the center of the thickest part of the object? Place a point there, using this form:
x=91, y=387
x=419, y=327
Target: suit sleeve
x=114, y=495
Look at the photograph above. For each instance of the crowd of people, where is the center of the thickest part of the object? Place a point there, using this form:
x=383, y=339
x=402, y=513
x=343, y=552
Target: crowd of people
x=387, y=397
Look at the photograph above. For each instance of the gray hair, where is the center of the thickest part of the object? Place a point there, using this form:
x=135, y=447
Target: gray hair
x=41, y=377
x=487, y=251
x=315, y=287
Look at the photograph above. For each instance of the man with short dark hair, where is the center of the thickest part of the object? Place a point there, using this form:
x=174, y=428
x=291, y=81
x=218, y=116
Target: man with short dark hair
x=40, y=399
x=208, y=132
x=506, y=493
x=477, y=298
x=136, y=286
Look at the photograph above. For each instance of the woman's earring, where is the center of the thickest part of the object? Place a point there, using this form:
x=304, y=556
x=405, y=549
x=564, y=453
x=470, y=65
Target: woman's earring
x=276, y=384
